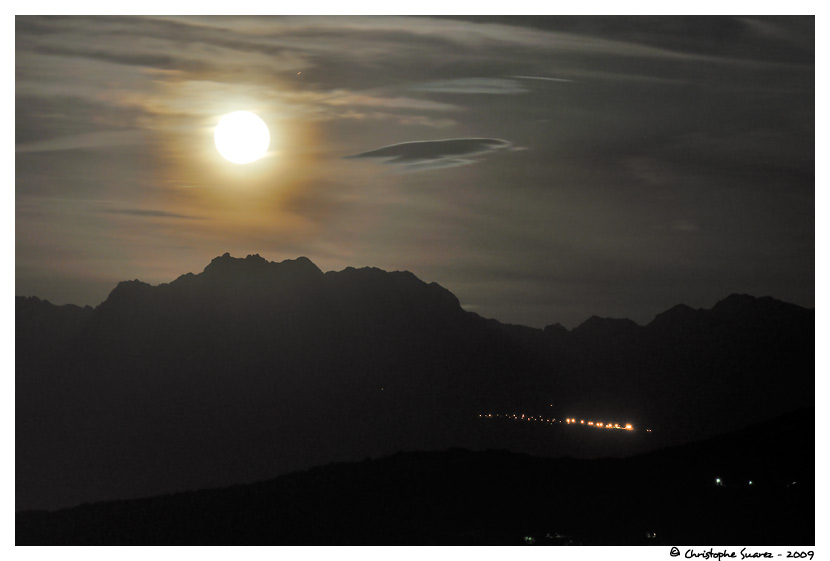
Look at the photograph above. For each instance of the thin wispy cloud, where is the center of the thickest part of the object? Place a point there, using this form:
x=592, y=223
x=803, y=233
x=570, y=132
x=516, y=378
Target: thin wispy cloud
x=543, y=78
x=150, y=213
x=488, y=86
x=435, y=154
x=684, y=225
x=363, y=100
x=99, y=140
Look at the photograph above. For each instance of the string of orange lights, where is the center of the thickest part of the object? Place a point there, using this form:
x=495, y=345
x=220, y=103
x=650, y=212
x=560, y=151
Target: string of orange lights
x=566, y=421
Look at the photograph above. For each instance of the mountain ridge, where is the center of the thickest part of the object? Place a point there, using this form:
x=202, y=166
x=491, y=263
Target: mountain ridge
x=253, y=368
x=304, y=268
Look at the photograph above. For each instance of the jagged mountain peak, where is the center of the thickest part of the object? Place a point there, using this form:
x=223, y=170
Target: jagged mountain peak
x=127, y=290
x=254, y=263
x=599, y=325
x=680, y=313
x=555, y=329
x=734, y=301
x=254, y=284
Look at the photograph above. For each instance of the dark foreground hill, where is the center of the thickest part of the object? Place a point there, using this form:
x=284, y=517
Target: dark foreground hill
x=253, y=368
x=754, y=487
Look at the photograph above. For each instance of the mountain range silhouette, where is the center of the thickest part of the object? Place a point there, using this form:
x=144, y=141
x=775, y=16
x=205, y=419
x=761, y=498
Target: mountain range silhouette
x=253, y=368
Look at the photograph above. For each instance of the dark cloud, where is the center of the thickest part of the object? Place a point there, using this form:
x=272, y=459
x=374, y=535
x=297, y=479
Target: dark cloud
x=38, y=118
x=433, y=154
x=132, y=59
x=683, y=225
x=128, y=27
x=192, y=50
x=779, y=39
x=150, y=213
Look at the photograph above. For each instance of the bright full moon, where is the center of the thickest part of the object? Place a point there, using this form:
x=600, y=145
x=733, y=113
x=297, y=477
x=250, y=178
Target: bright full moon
x=241, y=137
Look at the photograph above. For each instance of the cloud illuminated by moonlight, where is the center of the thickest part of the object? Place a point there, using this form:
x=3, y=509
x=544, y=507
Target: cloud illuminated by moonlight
x=434, y=154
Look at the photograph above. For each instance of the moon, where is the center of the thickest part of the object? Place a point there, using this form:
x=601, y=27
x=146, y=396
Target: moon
x=241, y=137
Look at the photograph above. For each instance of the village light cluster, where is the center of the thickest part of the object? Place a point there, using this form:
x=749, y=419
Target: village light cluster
x=568, y=421
x=627, y=426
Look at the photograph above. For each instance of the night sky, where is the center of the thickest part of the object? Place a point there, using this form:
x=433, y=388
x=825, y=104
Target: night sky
x=543, y=169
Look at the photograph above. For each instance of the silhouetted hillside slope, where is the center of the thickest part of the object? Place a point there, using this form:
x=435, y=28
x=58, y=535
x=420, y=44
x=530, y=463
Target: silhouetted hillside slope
x=43, y=329
x=692, y=372
x=253, y=368
x=461, y=497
